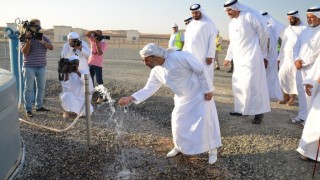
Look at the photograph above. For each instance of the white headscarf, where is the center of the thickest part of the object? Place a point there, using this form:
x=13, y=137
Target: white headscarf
x=238, y=6
x=294, y=13
x=203, y=12
x=235, y=5
x=315, y=10
x=277, y=25
x=73, y=35
x=152, y=50
x=155, y=50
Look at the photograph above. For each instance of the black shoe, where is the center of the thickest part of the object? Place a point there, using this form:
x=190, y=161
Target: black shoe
x=29, y=114
x=229, y=71
x=235, y=114
x=257, y=119
x=217, y=68
x=42, y=109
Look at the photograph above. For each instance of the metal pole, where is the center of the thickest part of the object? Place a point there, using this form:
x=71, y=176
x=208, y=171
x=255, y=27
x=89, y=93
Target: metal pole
x=87, y=106
x=15, y=60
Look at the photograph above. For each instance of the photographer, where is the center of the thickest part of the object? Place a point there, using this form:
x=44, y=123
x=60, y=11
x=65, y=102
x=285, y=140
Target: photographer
x=98, y=47
x=34, y=66
x=73, y=96
x=75, y=46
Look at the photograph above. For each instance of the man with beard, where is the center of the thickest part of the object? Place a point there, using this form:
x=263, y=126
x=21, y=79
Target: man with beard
x=309, y=142
x=194, y=122
x=200, y=38
x=305, y=51
x=248, y=48
x=287, y=70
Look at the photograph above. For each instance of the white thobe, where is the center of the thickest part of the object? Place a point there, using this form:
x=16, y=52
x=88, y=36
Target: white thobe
x=194, y=121
x=199, y=40
x=311, y=132
x=73, y=96
x=248, y=47
x=274, y=88
x=287, y=70
x=307, y=48
x=83, y=54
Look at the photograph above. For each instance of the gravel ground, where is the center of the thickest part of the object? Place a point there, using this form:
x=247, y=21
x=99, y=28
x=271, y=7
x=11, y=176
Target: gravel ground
x=132, y=144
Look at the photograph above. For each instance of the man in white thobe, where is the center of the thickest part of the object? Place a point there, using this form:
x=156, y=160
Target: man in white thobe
x=274, y=30
x=308, y=144
x=77, y=47
x=287, y=69
x=199, y=38
x=195, y=125
x=306, y=49
x=73, y=96
x=248, y=47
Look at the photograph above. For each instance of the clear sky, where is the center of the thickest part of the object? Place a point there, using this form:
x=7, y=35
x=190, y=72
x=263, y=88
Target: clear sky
x=146, y=16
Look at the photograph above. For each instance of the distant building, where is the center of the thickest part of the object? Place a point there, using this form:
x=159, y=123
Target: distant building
x=60, y=33
x=132, y=35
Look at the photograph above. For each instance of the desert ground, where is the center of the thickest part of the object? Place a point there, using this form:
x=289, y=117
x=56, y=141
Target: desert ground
x=132, y=143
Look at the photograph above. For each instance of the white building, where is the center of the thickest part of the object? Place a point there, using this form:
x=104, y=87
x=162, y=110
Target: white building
x=132, y=35
x=60, y=33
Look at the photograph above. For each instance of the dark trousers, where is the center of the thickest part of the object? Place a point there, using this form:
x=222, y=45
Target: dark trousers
x=96, y=71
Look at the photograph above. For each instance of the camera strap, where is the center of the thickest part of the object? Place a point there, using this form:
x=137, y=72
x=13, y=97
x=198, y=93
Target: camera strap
x=75, y=52
x=61, y=76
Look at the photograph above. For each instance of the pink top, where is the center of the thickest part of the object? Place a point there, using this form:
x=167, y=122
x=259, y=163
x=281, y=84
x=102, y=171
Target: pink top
x=94, y=59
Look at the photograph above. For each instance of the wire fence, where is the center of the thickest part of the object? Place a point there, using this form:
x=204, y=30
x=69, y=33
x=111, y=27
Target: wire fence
x=118, y=48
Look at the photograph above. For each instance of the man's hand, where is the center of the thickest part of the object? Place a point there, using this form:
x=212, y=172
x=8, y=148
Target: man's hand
x=78, y=73
x=125, y=100
x=298, y=64
x=226, y=63
x=266, y=62
x=28, y=35
x=209, y=61
x=208, y=96
x=308, y=89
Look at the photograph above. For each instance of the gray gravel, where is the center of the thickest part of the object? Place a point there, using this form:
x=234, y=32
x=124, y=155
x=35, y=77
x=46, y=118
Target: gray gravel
x=133, y=144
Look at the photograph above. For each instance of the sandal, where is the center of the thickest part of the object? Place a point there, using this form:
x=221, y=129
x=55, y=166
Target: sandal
x=295, y=120
x=305, y=158
x=235, y=114
x=301, y=125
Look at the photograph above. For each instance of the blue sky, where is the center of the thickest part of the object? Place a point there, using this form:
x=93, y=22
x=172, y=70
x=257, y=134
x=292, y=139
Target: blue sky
x=147, y=16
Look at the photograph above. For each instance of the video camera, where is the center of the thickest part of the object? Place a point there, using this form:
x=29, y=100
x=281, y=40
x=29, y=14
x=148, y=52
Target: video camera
x=75, y=43
x=26, y=26
x=66, y=66
x=100, y=37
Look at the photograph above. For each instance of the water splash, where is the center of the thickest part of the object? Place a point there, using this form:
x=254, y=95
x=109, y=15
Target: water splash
x=103, y=91
x=119, y=130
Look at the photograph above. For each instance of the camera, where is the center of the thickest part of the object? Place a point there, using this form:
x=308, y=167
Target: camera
x=100, y=37
x=26, y=26
x=66, y=66
x=75, y=43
